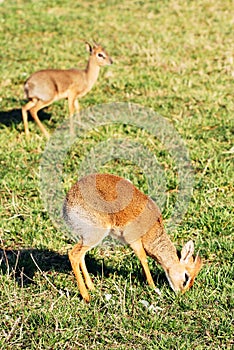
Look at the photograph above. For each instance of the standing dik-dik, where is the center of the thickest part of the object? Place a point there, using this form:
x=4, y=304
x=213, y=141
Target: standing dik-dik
x=47, y=86
x=102, y=204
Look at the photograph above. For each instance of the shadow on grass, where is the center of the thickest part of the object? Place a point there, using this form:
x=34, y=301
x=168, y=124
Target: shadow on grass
x=23, y=264
x=14, y=117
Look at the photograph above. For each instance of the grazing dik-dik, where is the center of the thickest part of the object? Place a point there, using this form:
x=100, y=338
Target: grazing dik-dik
x=99, y=205
x=46, y=86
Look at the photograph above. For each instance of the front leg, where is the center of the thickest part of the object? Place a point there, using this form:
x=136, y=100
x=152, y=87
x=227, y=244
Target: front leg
x=141, y=254
x=73, y=105
x=74, y=108
x=77, y=106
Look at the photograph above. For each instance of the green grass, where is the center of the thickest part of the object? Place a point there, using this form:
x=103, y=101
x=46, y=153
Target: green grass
x=175, y=57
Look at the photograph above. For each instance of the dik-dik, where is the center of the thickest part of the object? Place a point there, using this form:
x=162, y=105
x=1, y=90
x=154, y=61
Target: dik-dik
x=44, y=87
x=99, y=205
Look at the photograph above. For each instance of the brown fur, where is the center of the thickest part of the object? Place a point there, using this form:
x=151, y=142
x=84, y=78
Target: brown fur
x=44, y=87
x=102, y=204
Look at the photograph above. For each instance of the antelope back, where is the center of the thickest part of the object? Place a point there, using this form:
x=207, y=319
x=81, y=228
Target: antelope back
x=112, y=202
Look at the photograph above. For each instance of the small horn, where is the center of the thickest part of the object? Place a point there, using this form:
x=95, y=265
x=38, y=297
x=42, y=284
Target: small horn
x=95, y=43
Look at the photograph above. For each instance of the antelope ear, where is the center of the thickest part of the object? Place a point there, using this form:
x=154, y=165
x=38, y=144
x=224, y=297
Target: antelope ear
x=89, y=47
x=187, y=251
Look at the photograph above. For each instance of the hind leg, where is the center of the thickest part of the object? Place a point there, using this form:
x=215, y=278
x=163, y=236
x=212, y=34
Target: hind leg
x=25, y=109
x=76, y=256
x=86, y=275
x=91, y=237
x=39, y=105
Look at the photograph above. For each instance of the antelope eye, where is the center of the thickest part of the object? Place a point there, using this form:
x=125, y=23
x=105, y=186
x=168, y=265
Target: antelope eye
x=100, y=55
x=186, y=279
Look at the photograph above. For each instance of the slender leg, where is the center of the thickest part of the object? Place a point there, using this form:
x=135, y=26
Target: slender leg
x=77, y=106
x=76, y=256
x=40, y=104
x=71, y=126
x=86, y=275
x=74, y=108
x=25, y=109
x=73, y=105
x=141, y=254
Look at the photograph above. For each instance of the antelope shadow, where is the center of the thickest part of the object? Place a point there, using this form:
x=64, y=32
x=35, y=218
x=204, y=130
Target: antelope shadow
x=13, y=117
x=22, y=265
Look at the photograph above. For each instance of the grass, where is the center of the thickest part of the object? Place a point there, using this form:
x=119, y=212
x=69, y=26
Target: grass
x=172, y=56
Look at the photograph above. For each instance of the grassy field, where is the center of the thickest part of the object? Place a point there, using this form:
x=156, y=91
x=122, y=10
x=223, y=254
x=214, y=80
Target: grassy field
x=175, y=57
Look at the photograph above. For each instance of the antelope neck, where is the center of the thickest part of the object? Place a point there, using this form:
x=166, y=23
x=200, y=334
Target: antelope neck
x=92, y=71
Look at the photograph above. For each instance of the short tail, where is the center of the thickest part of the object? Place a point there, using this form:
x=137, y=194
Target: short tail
x=26, y=90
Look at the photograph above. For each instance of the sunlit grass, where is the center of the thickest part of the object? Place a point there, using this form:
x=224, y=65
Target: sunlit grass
x=175, y=57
